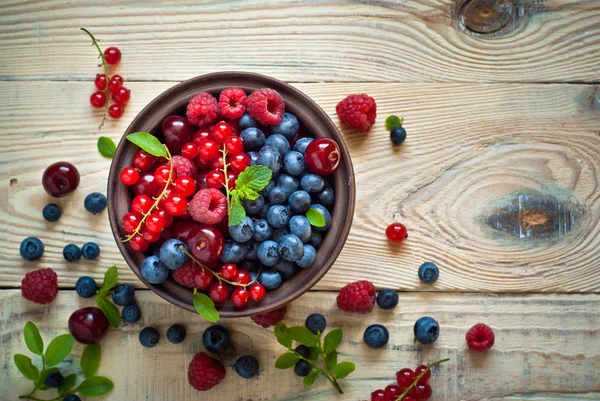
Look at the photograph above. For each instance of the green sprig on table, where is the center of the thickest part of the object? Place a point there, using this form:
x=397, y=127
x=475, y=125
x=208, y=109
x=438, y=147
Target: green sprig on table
x=108, y=308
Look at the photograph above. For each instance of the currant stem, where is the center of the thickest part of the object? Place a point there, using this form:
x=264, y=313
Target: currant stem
x=227, y=192
x=414, y=383
x=105, y=66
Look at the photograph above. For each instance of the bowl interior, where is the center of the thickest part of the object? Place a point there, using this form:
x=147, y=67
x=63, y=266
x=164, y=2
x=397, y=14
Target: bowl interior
x=315, y=121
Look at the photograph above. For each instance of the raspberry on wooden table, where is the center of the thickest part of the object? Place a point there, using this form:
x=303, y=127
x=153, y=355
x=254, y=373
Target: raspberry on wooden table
x=357, y=112
x=357, y=297
x=232, y=103
x=270, y=318
x=202, y=109
x=208, y=206
x=480, y=337
x=266, y=106
x=40, y=286
x=205, y=372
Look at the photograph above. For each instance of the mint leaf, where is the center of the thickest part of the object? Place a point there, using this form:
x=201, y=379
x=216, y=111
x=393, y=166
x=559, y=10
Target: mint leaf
x=343, y=369
x=286, y=360
x=331, y=360
x=95, y=386
x=148, y=142
x=393, y=121
x=236, y=211
x=110, y=310
x=106, y=147
x=332, y=340
x=302, y=335
x=90, y=359
x=248, y=193
x=59, y=349
x=33, y=340
x=315, y=218
x=68, y=384
x=310, y=379
x=205, y=307
x=254, y=177
x=28, y=369
x=283, y=337
x=110, y=280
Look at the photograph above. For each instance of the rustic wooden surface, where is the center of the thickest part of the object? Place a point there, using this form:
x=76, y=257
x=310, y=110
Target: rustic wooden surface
x=497, y=181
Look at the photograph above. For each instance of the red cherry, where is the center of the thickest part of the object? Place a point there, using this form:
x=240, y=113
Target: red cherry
x=185, y=186
x=143, y=160
x=421, y=391
x=322, y=156
x=150, y=236
x=257, y=291
x=130, y=222
x=203, y=279
x=175, y=204
x=138, y=243
x=234, y=145
x=420, y=369
x=405, y=377
x=240, y=297
x=88, y=325
x=201, y=135
x=122, y=96
x=214, y=179
x=189, y=150
x=166, y=216
x=112, y=55
x=98, y=99
x=161, y=174
x=129, y=175
x=201, y=181
x=396, y=232
x=208, y=150
x=239, y=162
x=243, y=277
x=100, y=82
x=177, y=131
x=181, y=229
x=206, y=243
x=229, y=271
x=221, y=131
x=155, y=223
x=141, y=204
x=115, y=83
x=60, y=179
x=146, y=185
x=115, y=111
x=393, y=391
x=218, y=292
x=202, y=164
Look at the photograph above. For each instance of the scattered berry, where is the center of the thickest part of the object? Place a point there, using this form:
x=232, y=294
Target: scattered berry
x=115, y=83
x=393, y=391
x=131, y=313
x=123, y=294
x=420, y=369
x=208, y=206
x=202, y=109
x=95, y=202
x=396, y=232
x=90, y=250
x=379, y=395
x=422, y=391
x=205, y=372
x=176, y=334
x=121, y=97
x=149, y=337
x=397, y=135
x=271, y=318
x=98, y=99
x=357, y=297
x=428, y=273
x=112, y=55
x=31, y=249
x=376, y=336
x=357, y=112
x=216, y=339
x=88, y=325
x=100, y=82
x=316, y=323
x=54, y=379
x=426, y=330
x=86, y=287
x=40, y=286
x=246, y=366
x=154, y=271
x=232, y=103
x=302, y=368
x=387, y=299
x=480, y=337
x=60, y=179
x=115, y=111
x=51, y=212
x=71, y=253
x=393, y=121
x=71, y=397
x=266, y=106
x=405, y=377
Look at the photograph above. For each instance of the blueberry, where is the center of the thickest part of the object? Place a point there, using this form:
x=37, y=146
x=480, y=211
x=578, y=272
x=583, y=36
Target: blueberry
x=176, y=334
x=250, y=265
x=71, y=397
x=95, y=202
x=86, y=287
x=315, y=239
x=233, y=252
x=149, y=337
x=154, y=271
x=246, y=366
x=397, y=135
x=123, y=294
x=72, y=253
x=387, y=299
x=242, y=232
x=253, y=207
x=289, y=183
x=278, y=233
x=270, y=157
x=310, y=254
x=131, y=313
x=90, y=250
x=265, y=191
x=300, y=227
x=265, y=210
x=301, y=144
x=171, y=254
x=302, y=368
x=54, y=379
x=325, y=197
x=326, y=215
x=288, y=127
x=376, y=336
x=253, y=157
x=316, y=323
x=278, y=216
x=253, y=138
x=303, y=350
x=262, y=230
x=428, y=273
x=290, y=248
x=270, y=279
x=51, y=212
x=216, y=339
x=280, y=143
x=251, y=250
x=426, y=330
x=278, y=195
x=31, y=249
x=285, y=268
x=268, y=253
x=299, y=201
x=293, y=163
x=246, y=121
x=312, y=183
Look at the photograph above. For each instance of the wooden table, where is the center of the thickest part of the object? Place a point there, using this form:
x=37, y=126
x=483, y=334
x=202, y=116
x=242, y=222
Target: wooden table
x=498, y=181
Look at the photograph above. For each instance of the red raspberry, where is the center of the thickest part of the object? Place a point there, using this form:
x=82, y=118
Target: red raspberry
x=266, y=106
x=208, y=206
x=232, y=103
x=357, y=297
x=202, y=109
x=205, y=372
x=40, y=286
x=480, y=337
x=185, y=275
x=357, y=111
x=184, y=167
x=270, y=318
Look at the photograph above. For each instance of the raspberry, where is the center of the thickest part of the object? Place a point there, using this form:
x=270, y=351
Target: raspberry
x=480, y=337
x=270, y=318
x=357, y=111
x=232, y=103
x=40, y=286
x=184, y=167
x=266, y=106
x=208, y=206
x=357, y=297
x=185, y=275
x=205, y=372
x=202, y=109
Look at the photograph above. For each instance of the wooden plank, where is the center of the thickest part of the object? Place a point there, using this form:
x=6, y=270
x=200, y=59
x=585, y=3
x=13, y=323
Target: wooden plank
x=474, y=152
x=543, y=344
x=333, y=40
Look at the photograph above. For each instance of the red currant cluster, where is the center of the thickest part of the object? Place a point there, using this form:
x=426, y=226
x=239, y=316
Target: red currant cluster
x=244, y=287
x=411, y=386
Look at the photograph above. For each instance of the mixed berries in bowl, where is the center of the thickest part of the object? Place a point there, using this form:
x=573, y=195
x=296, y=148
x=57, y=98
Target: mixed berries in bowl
x=241, y=190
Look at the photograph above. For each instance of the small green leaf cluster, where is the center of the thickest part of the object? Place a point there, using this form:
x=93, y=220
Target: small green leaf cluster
x=110, y=310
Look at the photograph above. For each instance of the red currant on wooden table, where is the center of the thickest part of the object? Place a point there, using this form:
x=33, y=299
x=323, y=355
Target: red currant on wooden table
x=185, y=186
x=234, y=145
x=240, y=297
x=100, y=82
x=208, y=150
x=239, y=162
x=323, y=156
x=112, y=55
x=189, y=150
x=115, y=83
x=121, y=96
x=218, y=292
x=129, y=175
x=141, y=204
x=115, y=111
x=405, y=377
x=421, y=392
x=143, y=161
x=396, y=232
x=229, y=272
x=420, y=369
x=393, y=391
x=379, y=395
x=98, y=99
x=221, y=131
x=257, y=291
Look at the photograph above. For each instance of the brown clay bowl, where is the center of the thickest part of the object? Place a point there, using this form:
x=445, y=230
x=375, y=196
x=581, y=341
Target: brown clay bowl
x=311, y=116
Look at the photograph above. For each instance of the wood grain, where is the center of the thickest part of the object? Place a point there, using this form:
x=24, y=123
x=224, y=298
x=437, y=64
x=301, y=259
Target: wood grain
x=543, y=344
x=455, y=170
x=316, y=40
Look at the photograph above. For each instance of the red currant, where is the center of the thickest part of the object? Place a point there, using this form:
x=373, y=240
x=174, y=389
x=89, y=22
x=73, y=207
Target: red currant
x=165, y=195
x=115, y=83
x=202, y=164
x=112, y=55
x=239, y=162
x=257, y=291
x=150, y=236
x=130, y=222
x=122, y=96
x=420, y=369
x=189, y=150
x=201, y=135
x=396, y=232
x=115, y=111
x=166, y=216
x=393, y=391
x=243, y=277
x=218, y=292
x=379, y=395
x=185, y=186
x=323, y=156
x=175, y=204
x=138, y=243
x=98, y=99
x=234, y=145
x=405, y=377
x=161, y=175
x=221, y=131
x=214, y=179
x=141, y=204
x=129, y=175
x=421, y=391
x=155, y=223
x=208, y=150
x=100, y=82
x=231, y=177
x=229, y=271
x=203, y=279
x=240, y=297
x=217, y=164
x=143, y=160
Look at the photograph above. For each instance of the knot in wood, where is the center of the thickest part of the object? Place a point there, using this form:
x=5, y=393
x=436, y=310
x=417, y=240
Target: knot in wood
x=486, y=16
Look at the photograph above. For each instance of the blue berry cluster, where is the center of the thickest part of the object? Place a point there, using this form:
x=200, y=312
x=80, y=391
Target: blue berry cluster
x=171, y=256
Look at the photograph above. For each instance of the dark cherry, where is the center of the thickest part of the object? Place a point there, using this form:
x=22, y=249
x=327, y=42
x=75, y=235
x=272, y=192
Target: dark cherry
x=60, y=179
x=88, y=325
x=181, y=229
x=323, y=156
x=146, y=185
x=177, y=131
x=206, y=243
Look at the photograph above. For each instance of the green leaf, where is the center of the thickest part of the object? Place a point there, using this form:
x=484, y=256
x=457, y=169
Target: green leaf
x=41, y=381
x=248, y=193
x=148, y=142
x=90, y=359
x=343, y=369
x=95, y=386
x=254, y=177
x=33, y=340
x=393, y=121
x=205, y=307
x=315, y=218
x=332, y=340
x=59, y=349
x=310, y=379
x=110, y=310
x=303, y=336
x=331, y=360
x=236, y=211
x=286, y=360
x=28, y=369
x=110, y=280
x=283, y=337
x=68, y=384
x=106, y=147
x=314, y=353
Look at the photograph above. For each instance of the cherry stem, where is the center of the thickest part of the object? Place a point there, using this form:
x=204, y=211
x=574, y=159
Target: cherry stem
x=105, y=66
x=414, y=383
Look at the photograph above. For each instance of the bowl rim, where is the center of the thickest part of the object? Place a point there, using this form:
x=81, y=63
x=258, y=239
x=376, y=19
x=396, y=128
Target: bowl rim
x=346, y=220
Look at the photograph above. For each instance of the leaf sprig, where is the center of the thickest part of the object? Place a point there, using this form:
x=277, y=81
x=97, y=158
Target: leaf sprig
x=108, y=308
x=105, y=66
x=56, y=352
x=327, y=349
